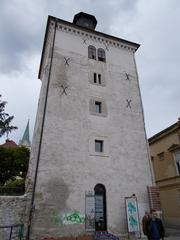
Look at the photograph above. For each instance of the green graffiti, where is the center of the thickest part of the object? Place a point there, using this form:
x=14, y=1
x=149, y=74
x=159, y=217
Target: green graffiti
x=73, y=218
x=131, y=208
x=132, y=222
x=57, y=220
x=68, y=218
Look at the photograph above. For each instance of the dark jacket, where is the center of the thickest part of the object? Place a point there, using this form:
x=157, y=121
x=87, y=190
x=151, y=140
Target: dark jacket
x=144, y=223
x=159, y=225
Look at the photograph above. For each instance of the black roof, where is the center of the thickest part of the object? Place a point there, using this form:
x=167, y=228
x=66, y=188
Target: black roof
x=85, y=15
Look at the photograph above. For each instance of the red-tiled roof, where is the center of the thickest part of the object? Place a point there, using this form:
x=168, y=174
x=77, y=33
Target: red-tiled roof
x=9, y=144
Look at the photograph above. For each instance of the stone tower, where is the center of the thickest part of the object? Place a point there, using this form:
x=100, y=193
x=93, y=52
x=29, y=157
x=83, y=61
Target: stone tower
x=89, y=148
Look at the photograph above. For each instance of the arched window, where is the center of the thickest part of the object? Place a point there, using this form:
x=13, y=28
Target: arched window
x=92, y=52
x=100, y=208
x=101, y=55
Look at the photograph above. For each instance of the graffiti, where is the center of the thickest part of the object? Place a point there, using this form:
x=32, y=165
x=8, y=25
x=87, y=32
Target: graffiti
x=105, y=235
x=67, y=218
x=90, y=222
x=132, y=215
x=133, y=222
x=56, y=219
x=131, y=208
x=73, y=218
x=90, y=211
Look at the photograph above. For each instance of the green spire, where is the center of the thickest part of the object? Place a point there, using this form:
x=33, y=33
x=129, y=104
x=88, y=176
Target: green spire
x=25, y=141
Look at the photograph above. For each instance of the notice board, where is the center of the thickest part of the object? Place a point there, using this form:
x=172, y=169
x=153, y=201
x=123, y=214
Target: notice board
x=132, y=216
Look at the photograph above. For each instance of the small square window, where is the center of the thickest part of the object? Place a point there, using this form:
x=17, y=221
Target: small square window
x=98, y=107
x=98, y=146
x=161, y=156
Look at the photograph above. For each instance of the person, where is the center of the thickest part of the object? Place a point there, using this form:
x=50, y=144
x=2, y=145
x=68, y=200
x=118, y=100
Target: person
x=154, y=227
x=144, y=222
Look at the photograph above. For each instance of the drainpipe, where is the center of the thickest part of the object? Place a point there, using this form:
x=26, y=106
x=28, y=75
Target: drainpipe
x=40, y=141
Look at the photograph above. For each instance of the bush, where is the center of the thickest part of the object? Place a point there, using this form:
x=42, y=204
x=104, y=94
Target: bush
x=15, y=183
x=13, y=163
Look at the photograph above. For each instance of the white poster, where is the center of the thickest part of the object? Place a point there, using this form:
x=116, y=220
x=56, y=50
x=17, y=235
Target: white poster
x=132, y=215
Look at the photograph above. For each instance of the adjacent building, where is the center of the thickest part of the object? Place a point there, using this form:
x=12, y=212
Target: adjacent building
x=89, y=149
x=165, y=157
x=9, y=144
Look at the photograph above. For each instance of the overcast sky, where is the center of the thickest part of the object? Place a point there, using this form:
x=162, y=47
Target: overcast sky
x=155, y=24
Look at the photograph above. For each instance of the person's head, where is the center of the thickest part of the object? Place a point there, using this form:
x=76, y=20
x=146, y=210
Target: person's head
x=153, y=213
x=146, y=213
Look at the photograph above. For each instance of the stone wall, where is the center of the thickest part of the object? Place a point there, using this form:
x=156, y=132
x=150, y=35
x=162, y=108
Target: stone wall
x=12, y=211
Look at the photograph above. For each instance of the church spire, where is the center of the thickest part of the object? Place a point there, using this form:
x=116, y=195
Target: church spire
x=25, y=141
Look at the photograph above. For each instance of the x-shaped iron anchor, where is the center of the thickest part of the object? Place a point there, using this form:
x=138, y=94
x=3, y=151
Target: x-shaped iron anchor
x=64, y=90
x=106, y=47
x=127, y=76
x=84, y=40
x=128, y=103
x=66, y=61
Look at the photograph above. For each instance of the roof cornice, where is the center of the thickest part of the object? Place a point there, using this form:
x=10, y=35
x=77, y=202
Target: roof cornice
x=164, y=132
x=93, y=31
x=100, y=34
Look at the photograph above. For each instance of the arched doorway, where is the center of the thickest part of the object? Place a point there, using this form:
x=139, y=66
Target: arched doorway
x=100, y=208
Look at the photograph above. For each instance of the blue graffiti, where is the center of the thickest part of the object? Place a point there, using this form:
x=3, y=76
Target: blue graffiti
x=131, y=208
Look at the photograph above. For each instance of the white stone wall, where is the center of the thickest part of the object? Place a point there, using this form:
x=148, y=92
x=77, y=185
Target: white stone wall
x=12, y=212
x=68, y=164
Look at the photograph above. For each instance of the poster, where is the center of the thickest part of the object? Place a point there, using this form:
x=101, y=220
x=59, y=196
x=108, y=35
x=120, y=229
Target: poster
x=132, y=215
x=89, y=212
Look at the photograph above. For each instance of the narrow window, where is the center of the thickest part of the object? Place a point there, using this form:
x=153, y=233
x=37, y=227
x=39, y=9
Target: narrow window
x=178, y=196
x=92, y=52
x=95, y=79
x=98, y=107
x=101, y=55
x=177, y=160
x=161, y=156
x=99, y=78
x=98, y=146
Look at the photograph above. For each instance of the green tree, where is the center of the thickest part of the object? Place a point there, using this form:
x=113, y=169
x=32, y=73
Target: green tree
x=5, y=120
x=13, y=163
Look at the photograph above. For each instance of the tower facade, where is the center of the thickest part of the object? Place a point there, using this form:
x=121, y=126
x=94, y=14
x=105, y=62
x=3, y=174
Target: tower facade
x=89, y=148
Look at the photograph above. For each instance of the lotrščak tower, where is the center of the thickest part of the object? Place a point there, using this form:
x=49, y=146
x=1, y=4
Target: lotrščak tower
x=89, y=149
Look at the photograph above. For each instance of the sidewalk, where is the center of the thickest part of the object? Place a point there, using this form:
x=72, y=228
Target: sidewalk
x=172, y=238
x=171, y=234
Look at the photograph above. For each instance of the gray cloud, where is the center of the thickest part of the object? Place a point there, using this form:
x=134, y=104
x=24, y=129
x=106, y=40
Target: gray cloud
x=154, y=24
x=23, y=23
x=158, y=62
